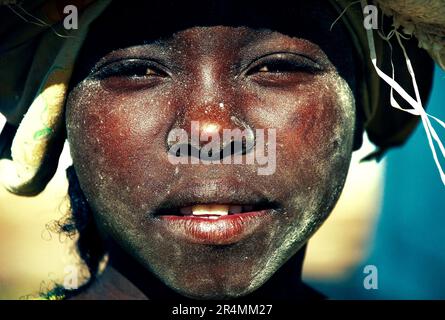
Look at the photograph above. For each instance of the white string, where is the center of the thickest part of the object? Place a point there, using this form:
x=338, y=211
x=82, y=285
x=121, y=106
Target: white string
x=39, y=23
x=2, y=122
x=416, y=104
x=342, y=13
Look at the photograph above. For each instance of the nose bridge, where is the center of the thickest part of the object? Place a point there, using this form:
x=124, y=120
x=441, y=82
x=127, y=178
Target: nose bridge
x=209, y=81
x=210, y=113
x=209, y=98
x=209, y=107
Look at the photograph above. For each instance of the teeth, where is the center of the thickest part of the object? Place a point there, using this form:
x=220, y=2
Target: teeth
x=210, y=210
x=213, y=211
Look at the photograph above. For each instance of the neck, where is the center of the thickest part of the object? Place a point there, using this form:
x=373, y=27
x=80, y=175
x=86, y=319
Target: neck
x=284, y=284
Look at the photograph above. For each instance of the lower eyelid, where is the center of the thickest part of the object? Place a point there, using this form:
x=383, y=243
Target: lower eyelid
x=281, y=67
x=285, y=70
x=281, y=80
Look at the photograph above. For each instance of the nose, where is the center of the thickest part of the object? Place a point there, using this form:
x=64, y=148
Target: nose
x=210, y=113
x=213, y=131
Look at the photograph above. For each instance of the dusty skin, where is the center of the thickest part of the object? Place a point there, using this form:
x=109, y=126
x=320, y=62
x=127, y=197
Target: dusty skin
x=118, y=125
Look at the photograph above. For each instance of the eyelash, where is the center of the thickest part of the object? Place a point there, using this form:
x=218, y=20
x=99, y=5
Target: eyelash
x=275, y=64
x=132, y=68
x=283, y=63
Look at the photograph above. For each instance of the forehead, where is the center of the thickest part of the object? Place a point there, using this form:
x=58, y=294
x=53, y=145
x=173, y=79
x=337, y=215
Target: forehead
x=216, y=43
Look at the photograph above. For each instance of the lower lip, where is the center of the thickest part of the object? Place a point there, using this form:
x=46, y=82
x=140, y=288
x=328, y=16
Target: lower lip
x=221, y=231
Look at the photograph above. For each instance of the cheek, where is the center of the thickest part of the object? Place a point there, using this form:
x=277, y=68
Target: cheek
x=314, y=147
x=315, y=128
x=319, y=148
x=116, y=141
x=319, y=134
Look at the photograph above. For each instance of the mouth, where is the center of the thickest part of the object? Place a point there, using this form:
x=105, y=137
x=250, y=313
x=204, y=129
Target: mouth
x=212, y=211
x=217, y=220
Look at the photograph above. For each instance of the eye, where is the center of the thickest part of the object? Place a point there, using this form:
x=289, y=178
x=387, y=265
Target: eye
x=282, y=64
x=130, y=68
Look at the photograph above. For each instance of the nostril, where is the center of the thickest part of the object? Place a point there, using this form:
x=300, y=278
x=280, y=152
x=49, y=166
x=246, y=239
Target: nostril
x=237, y=147
x=183, y=150
x=207, y=154
x=208, y=141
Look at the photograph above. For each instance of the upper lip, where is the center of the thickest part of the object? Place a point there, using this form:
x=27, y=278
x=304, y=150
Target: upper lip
x=213, y=192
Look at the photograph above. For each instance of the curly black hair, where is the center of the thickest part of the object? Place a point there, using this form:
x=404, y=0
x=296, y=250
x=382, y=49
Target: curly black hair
x=89, y=245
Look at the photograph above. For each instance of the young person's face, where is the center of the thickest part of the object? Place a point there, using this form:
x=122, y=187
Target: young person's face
x=118, y=121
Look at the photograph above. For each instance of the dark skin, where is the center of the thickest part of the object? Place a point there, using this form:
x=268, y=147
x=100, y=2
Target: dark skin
x=118, y=120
